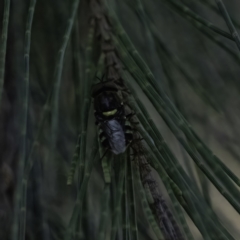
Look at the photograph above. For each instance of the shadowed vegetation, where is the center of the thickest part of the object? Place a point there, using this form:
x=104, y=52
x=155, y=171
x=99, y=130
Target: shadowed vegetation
x=119, y=120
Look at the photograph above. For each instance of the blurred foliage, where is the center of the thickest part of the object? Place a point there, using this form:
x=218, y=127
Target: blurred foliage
x=180, y=63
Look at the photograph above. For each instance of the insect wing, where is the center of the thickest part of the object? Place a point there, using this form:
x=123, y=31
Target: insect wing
x=115, y=135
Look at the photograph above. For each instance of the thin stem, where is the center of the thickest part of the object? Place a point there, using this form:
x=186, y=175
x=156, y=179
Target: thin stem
x=229, y=22
x=188, y=12
x=132, y=199
x=30, y=160
x=3, y=46
x=104, y=212
x=58, y=75
x=74, y=162
x=86, y=101
x=147, y=211
x=19, y=223
x=119, y=194
x=82, y=192
x=216, y=10
x=212, y=37
x=125, y=218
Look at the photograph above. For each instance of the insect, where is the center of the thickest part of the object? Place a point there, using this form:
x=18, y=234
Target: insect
x=115, y=132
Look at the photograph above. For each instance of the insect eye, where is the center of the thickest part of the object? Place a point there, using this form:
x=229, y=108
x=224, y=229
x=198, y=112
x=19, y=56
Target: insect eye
x=109, y=113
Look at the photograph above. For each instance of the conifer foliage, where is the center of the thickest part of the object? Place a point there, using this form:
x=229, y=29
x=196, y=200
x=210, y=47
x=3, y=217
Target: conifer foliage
x=119, y=120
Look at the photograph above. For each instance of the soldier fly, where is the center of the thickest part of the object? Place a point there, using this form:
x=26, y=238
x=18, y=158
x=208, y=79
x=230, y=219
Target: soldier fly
x=115, y=132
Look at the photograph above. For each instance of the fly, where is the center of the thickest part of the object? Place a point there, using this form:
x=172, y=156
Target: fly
x=115, y=132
